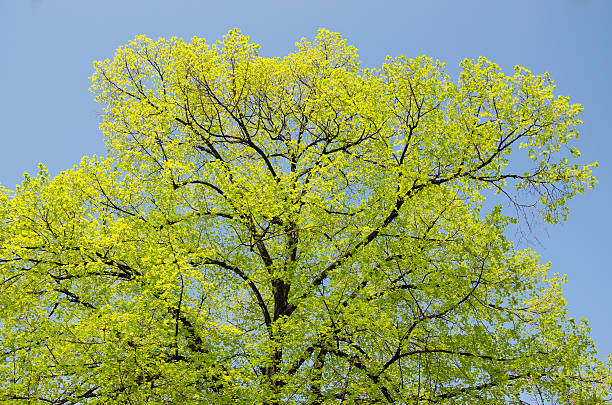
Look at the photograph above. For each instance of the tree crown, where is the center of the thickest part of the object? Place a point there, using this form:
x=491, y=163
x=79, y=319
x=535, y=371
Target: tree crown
x=297, y=230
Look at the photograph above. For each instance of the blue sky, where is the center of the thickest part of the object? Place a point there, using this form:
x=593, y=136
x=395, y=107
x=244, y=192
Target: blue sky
x=48, y=114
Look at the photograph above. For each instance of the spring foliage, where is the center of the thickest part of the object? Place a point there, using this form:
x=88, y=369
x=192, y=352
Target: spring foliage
x=296, y=230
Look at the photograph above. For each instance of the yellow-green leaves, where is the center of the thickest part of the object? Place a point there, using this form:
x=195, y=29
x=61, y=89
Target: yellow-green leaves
x=296, y=230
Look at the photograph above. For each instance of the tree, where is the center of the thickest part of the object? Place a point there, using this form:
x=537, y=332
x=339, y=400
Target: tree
x=296, y=230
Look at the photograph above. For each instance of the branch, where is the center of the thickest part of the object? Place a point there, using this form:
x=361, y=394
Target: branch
x=260, y=301
x=364, y=242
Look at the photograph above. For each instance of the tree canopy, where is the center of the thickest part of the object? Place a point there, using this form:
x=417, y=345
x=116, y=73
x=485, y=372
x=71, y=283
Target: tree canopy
x=297, y=230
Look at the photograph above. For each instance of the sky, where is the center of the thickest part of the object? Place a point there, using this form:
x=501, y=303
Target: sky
x=48, y=114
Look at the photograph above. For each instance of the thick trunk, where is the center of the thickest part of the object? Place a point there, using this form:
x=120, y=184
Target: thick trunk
x=274, y=381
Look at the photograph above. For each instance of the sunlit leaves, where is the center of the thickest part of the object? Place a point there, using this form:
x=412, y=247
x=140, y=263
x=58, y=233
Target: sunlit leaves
x=296, y=230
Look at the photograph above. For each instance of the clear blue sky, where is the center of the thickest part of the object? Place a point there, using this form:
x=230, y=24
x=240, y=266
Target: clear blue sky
x=48, y=115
